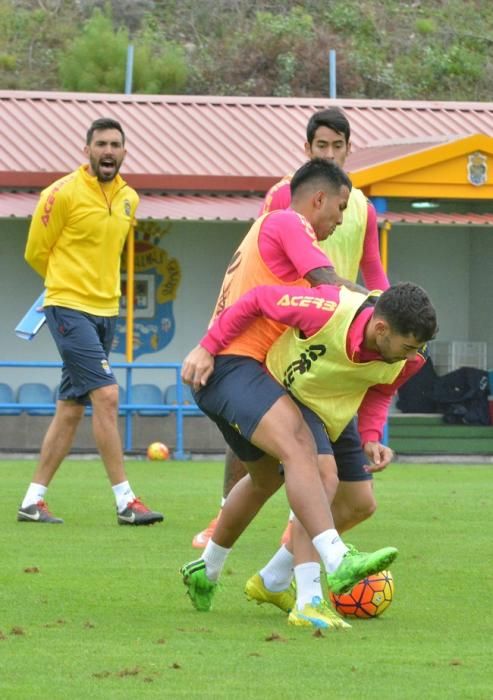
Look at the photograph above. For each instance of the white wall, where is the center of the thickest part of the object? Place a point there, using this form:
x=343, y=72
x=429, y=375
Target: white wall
x=438, y=260
x=454, y=264
x=481, y=297
x=203, y=251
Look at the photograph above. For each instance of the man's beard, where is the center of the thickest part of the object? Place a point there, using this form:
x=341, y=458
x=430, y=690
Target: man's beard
x=104, y=176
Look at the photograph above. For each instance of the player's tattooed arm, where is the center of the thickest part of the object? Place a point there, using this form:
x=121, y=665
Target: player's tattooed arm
x=328, y=275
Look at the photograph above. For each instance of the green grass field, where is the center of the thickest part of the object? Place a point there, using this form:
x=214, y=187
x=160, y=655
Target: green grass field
x=89, y=609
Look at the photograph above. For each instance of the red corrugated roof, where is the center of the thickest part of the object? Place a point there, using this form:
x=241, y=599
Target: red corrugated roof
x=216, y=143
x=411, y=217
x=201, y=207
x=192, y=207
x=384, y=152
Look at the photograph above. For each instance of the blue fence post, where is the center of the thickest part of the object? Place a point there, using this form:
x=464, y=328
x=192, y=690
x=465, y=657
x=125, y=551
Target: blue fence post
x=128, y=412
x=129, y=408
x=179, y=452
x=332, y=74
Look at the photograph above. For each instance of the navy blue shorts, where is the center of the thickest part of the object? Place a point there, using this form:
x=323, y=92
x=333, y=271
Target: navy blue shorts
x=84, y=343
x=349, y=455
x=237, y=396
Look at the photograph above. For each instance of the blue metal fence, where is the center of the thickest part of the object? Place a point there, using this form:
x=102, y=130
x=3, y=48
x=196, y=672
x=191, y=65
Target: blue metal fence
x=128, y=408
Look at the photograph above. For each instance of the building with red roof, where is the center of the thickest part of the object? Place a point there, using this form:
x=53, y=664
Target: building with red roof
x=202, y=164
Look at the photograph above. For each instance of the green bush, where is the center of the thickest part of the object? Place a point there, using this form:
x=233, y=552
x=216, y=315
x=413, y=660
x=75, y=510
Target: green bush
x=101, y=51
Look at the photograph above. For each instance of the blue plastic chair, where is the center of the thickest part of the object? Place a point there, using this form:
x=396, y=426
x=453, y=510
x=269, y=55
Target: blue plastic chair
x=36, y=392
x=171, y=398
x=148, y=394
x=7, y=396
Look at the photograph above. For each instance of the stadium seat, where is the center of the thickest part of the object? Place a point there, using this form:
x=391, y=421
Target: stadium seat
x=148, y=394
x=33, y=393
x=7, y=396
x=171, y=398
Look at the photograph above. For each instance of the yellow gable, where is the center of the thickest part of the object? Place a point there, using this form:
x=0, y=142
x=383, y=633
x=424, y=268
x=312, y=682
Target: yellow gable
x=459, y=169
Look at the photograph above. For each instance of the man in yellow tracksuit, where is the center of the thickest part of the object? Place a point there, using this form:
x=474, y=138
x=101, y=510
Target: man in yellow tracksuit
x=75, y=242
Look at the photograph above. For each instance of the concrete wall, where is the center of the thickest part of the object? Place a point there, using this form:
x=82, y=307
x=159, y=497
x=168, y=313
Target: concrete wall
x=454, y=264
x=203, y=251
x=25, y=433
x=480, y=312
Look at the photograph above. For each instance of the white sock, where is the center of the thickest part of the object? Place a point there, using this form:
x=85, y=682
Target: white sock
x=291, y=516
x=123, y=495
x=223, y=501
x=331, y=549
x=277, y=574
x=214, y=556
x=34, y=493
x=307, y=583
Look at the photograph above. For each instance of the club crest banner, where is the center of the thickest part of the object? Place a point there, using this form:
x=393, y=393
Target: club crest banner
x=157, y=277
x=477, y=169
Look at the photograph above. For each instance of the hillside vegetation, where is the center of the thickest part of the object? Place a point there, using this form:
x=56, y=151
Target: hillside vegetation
x=404, y=49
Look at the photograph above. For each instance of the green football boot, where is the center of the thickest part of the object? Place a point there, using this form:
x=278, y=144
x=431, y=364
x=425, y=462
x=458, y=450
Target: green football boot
x=200, y=589
x=356, y=566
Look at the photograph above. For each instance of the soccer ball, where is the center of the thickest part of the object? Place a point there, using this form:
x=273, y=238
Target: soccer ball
x=368, y=598
x=157, y=451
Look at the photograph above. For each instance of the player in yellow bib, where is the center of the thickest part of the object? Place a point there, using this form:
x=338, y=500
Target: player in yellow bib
x=352, y=248
x=344, y=354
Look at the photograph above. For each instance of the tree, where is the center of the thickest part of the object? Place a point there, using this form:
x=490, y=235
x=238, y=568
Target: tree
x=96, y=61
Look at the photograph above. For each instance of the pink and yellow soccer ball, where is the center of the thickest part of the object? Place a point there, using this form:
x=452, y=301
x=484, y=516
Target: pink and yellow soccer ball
x=157, y=451
x=369, y=598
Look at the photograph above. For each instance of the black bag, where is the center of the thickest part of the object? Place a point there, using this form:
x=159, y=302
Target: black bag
x=462, y=396
x=417, y=394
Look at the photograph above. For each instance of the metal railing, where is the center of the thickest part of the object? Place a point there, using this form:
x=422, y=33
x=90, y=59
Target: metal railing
x=128, y=408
